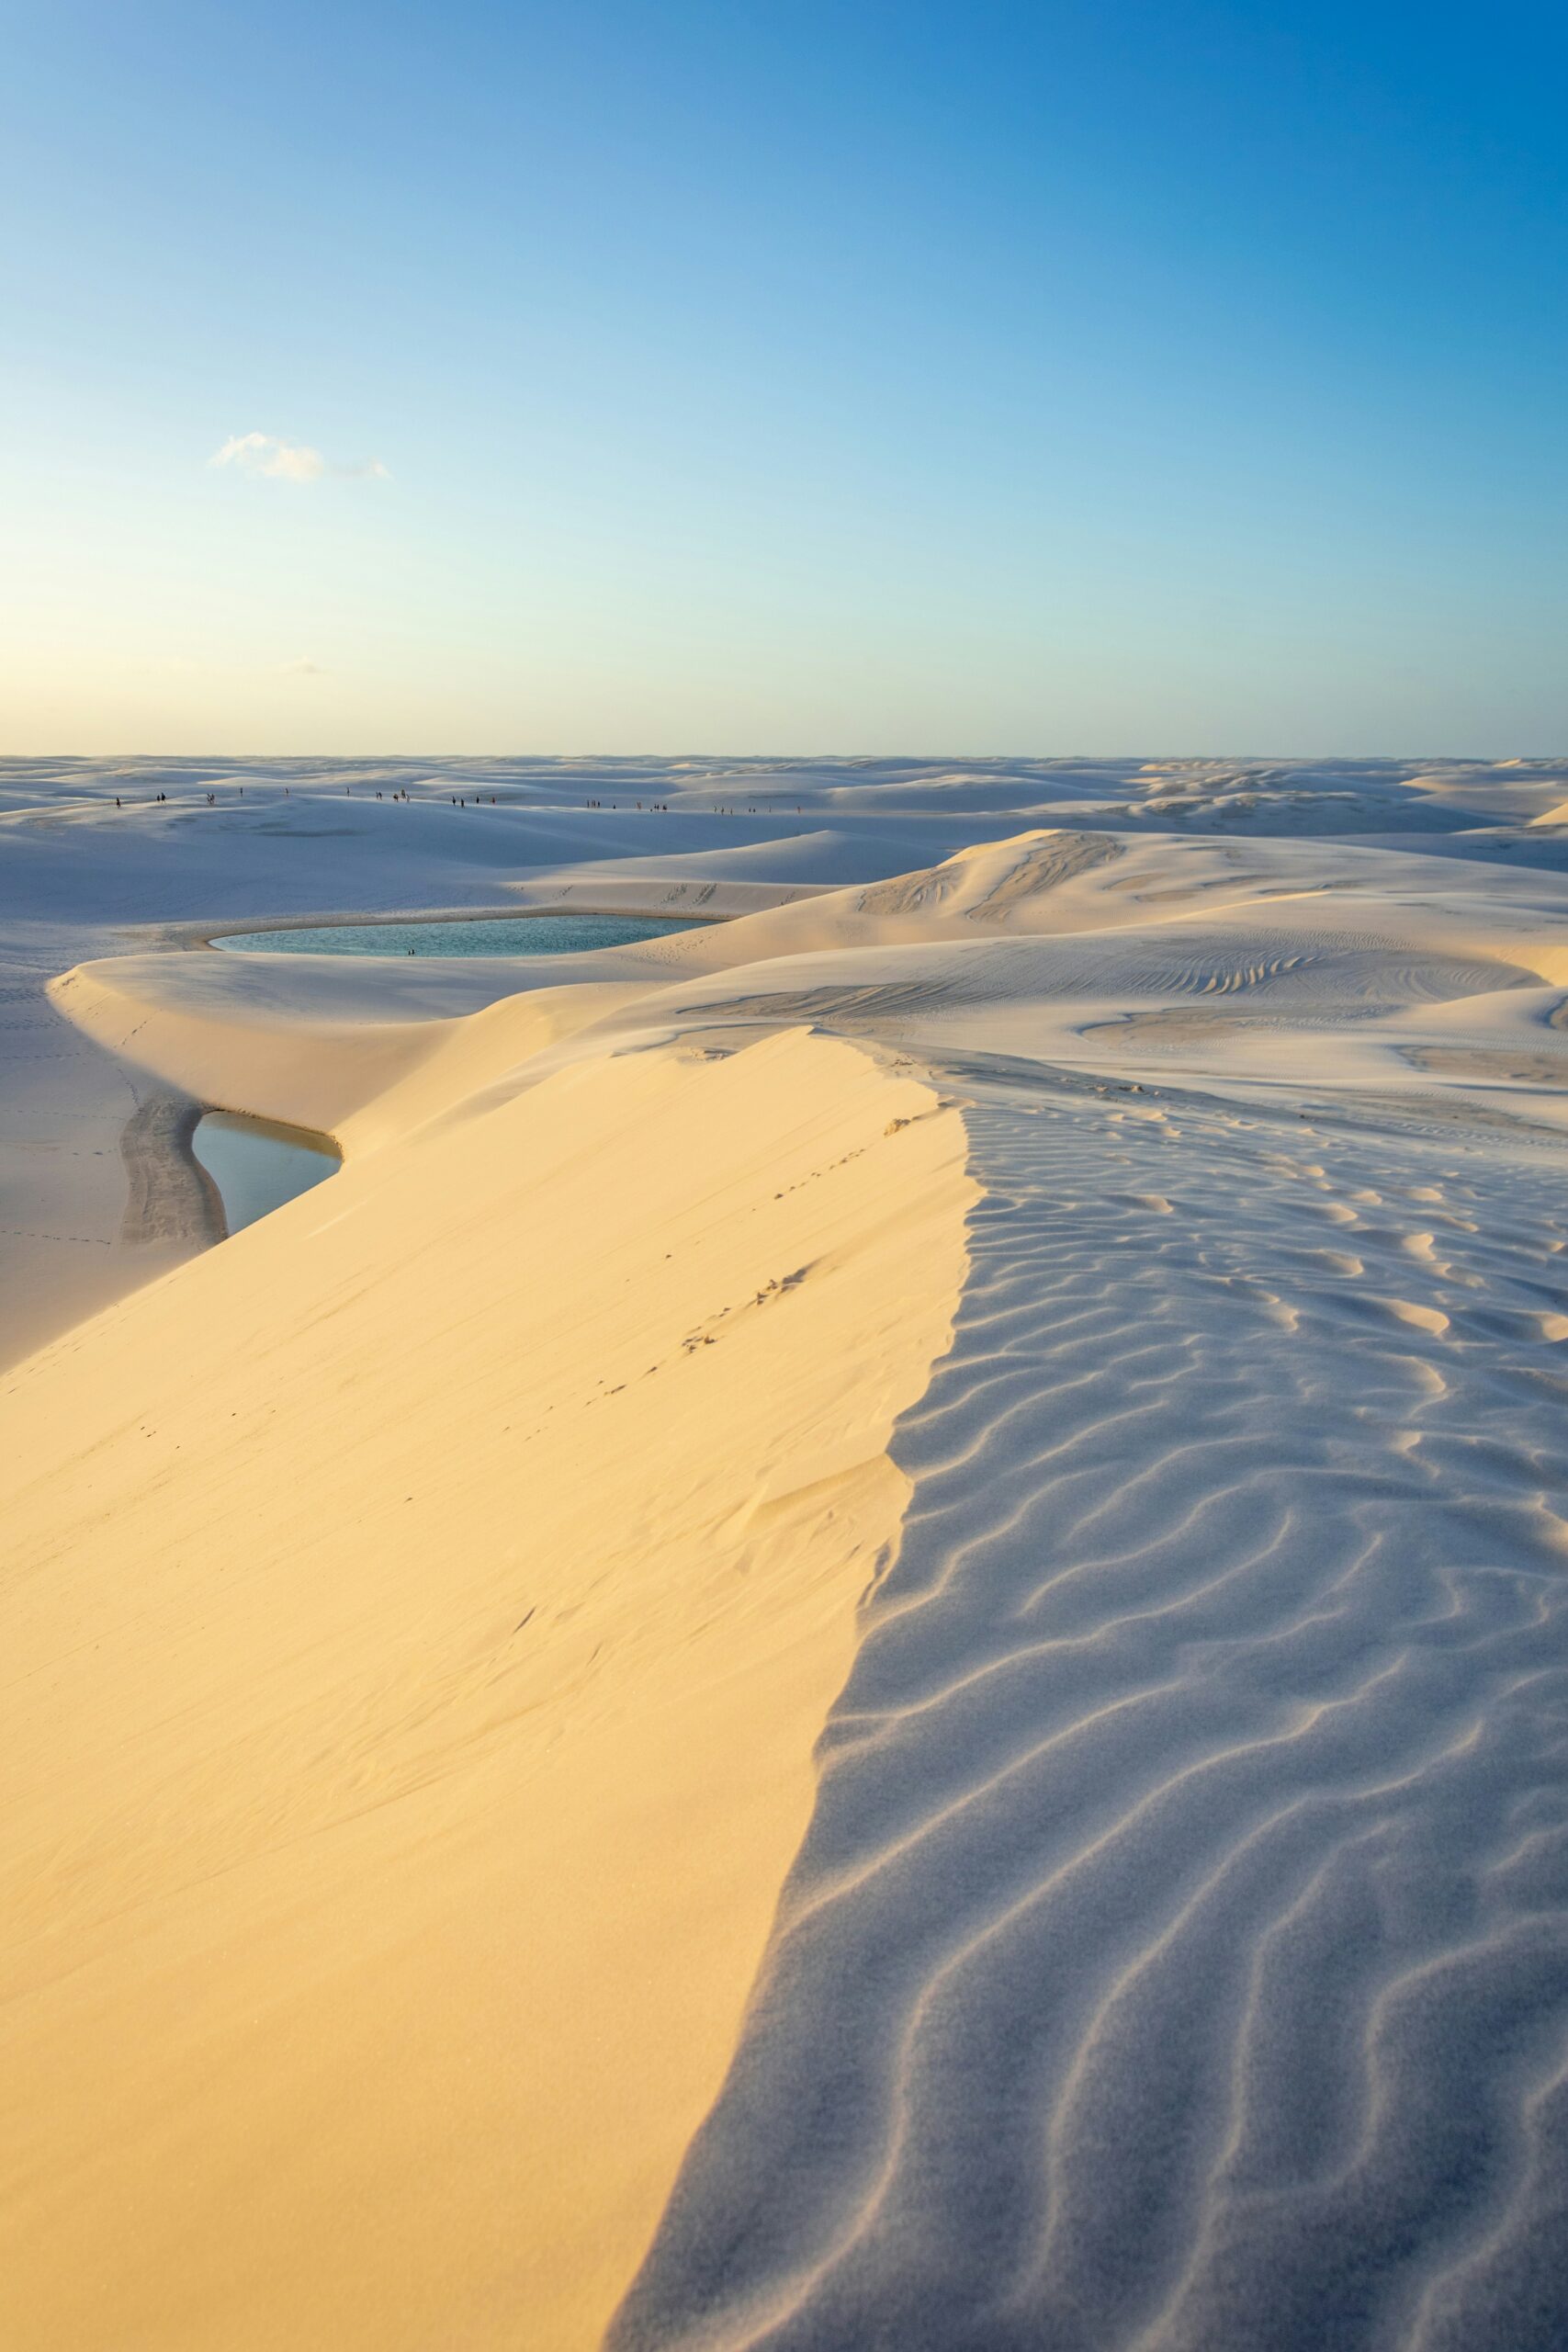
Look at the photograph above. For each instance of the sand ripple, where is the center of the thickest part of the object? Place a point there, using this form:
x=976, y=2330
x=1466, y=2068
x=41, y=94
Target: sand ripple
x=1178, y=1954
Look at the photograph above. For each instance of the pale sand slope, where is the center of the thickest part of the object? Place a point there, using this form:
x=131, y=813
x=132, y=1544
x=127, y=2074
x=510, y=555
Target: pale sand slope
x=419, y=1614
x=1177, y=1951
x=1178, y=1954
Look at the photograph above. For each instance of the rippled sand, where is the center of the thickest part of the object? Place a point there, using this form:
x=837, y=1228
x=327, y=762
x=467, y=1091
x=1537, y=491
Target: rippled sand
x=960, y=1738
x=1178, y=1953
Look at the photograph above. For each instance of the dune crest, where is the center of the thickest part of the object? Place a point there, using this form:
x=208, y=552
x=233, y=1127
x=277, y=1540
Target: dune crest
x=964, y=1468
x=420, y=1612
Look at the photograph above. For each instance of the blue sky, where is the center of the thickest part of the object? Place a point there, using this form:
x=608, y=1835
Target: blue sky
x=689, y=378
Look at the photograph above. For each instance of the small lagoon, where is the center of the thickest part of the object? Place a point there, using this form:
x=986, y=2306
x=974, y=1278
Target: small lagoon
x=479, y=935
x=257, y=1165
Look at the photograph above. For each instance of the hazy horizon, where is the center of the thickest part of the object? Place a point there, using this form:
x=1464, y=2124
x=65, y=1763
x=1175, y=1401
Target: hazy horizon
x=877, y=755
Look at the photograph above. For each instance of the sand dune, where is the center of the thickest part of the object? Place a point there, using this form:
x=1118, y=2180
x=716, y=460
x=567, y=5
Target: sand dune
x=863, y=1642
x=1177, y=1953
x=372, y=1699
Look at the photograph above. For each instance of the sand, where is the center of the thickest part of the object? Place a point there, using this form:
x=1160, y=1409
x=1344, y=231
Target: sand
x=424, y=1624
x=864, y=1640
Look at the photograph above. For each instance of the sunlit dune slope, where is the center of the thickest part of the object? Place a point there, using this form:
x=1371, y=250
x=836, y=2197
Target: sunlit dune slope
x=419, y=1615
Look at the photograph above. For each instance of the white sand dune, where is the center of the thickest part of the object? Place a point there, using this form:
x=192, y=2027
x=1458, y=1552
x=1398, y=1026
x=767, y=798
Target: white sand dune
x=1178, y=1953
x=866, y=1641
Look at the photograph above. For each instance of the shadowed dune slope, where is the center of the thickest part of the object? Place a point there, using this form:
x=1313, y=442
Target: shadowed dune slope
x=1178, y=1954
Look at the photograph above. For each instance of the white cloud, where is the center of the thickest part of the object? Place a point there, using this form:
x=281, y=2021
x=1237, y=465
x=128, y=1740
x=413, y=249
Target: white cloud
x=302, y=669
x=263, y=453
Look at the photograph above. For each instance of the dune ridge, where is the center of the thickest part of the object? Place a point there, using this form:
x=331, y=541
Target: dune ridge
x=1047, y=1753
x=419, y=1614
x=103, y=857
